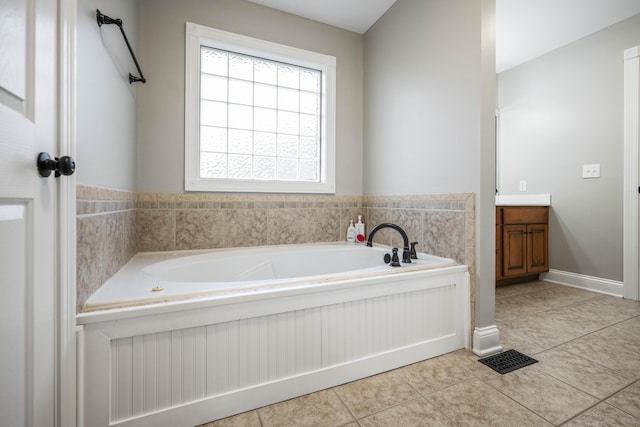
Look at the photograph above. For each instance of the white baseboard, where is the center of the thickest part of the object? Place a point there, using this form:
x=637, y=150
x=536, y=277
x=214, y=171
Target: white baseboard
x=596, y=284
x=486, y=340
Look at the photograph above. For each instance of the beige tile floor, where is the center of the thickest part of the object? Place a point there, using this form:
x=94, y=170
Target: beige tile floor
x=587, y=344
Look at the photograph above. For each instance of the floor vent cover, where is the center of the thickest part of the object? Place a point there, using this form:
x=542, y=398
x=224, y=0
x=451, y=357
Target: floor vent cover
x=507, y=361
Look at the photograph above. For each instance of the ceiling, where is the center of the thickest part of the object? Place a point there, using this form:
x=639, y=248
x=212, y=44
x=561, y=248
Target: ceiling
x=353, y=15
x=525, y=29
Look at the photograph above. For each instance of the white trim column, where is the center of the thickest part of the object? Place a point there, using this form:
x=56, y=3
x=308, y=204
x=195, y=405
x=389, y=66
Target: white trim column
x=631, y=182
x=486, y=340
x=66, y=363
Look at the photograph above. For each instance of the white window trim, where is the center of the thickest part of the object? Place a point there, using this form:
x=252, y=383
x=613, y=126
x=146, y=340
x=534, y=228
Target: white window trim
x=195, y=36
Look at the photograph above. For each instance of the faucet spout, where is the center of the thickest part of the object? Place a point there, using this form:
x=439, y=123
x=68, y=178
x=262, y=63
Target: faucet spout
x=406, y=252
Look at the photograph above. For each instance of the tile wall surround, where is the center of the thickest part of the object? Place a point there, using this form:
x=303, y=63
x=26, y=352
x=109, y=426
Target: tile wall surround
x=106, y=236
x=114, y=225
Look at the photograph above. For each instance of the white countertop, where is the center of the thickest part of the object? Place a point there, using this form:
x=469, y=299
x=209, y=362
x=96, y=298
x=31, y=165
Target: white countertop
x=523, y=200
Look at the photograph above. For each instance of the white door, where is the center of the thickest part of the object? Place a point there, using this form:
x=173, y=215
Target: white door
x=28, y=114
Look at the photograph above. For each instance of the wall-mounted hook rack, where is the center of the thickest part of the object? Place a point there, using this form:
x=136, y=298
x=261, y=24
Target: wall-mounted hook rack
x=104, y=19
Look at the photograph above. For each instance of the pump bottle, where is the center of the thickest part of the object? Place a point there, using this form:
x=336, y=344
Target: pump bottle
x=351, y=232
x=360, y=236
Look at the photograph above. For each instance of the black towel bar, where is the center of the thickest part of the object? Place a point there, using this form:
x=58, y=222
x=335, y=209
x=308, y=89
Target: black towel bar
x=104, y=19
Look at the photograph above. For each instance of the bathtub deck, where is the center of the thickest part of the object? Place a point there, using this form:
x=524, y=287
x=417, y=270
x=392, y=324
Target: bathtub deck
x=137, y=285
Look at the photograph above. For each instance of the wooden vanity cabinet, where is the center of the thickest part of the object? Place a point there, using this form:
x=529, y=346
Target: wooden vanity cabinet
x=522, y=241
x=499, y=228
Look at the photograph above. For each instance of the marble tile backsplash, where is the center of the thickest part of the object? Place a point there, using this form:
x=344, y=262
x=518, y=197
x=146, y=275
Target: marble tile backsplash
x=202, y=221
x=106, y=237
x=115, y=225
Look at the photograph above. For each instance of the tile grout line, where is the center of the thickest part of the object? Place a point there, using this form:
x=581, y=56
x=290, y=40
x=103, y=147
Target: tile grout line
x=513, y=400
x=620, y=391
x=333, y=389
x=599, y=400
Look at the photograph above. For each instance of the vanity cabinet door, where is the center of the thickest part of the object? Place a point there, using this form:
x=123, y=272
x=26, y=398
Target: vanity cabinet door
x=498, y=243
x=537, y=248
x=514, y=241
x=522, y=248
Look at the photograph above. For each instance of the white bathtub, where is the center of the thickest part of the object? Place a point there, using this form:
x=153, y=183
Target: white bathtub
x=182, y=338
x=171, y=276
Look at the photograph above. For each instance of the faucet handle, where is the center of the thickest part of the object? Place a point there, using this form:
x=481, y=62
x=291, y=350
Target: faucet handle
x=414, y=255
x=395, y=261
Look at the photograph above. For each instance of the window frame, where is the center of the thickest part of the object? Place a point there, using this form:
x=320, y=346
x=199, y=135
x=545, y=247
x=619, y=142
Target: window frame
x=197, y=36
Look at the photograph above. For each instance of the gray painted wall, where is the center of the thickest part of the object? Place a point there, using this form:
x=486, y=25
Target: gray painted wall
x=558, y=112
x=161, y=35
x=430, y=99
x=106, y=102
x=422, y=98
x=429, y=113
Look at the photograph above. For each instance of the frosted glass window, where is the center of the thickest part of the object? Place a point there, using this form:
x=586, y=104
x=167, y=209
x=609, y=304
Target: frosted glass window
x=309, y=103
x=287, y=169
x=259, y=116
x=288, y=146
x=240, y=92
x=309, y=125
x=288, y=76
x=264, y=144
x=213, y=139
x=309, y=81
x=214, y=62
x=265, y=71
x=309, y=148
x=288, y=122
x=264, y=168
x=240, y=116
x=265, y=119
x=256, y=107
x=288, y=99
x=214, y=88
x=240, y=141
x=240, y=66
x=308, y=170
x=213, y=165
x=265, y=96
x=213, y=113
x=239, y=166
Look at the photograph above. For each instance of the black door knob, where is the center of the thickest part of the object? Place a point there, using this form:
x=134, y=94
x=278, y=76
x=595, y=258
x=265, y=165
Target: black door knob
x=64, y=165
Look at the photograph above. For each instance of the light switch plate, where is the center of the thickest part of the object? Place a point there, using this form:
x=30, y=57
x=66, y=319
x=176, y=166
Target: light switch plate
x=591, y=171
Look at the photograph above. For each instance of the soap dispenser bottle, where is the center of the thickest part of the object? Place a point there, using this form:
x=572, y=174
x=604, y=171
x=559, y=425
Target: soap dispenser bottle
x=351, y=232
x=360, y=236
